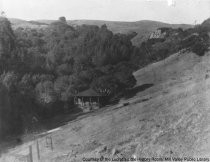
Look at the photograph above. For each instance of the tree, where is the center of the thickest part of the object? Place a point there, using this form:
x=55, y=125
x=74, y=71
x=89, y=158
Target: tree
x=106, y=85
x=64, y=69
x=9, y=80
x=26, y=86
x=200, y=48
x=124, y=73
x=61, y=86
x=62, y=19
x=45, y=92
x=7, y=38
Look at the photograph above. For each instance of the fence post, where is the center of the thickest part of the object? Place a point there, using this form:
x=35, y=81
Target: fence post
x=48, y=141
x=37, y=147
x=51, y=143
x=30, y=153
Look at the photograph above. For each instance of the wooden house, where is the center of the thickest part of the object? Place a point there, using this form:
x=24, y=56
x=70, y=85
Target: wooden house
x=89, y=100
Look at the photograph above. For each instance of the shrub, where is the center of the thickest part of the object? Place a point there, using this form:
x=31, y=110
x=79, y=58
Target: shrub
x=200, y=48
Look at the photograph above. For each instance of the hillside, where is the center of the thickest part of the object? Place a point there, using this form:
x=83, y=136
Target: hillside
x=26, y=24
x=144, y=28
x=168, y=117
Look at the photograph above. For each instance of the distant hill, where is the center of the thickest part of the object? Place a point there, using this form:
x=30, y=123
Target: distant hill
x=144, y=28
x=26, y=24
x=206, y=24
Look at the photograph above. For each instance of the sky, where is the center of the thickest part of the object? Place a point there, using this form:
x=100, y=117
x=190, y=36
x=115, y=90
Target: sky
x=170, y=11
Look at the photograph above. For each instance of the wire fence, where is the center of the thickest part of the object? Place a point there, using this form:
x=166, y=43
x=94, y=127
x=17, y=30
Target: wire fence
x=31, y=152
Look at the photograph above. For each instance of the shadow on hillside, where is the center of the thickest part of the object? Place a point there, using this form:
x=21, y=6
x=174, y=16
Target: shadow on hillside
x=132, y=92
x=46, y=125
x=60, y=120
x=63, y=119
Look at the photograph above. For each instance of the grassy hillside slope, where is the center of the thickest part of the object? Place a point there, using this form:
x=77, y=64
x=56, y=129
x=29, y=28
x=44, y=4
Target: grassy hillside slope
x=26, y=24
x=169, y=119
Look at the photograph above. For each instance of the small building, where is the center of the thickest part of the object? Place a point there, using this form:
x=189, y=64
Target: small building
x=89, y=100
x=158, y=34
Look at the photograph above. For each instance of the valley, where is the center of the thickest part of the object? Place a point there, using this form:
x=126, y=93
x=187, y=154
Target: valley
x=169, y=119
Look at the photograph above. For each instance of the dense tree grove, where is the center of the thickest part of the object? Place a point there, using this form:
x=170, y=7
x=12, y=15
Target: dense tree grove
x=42, y=69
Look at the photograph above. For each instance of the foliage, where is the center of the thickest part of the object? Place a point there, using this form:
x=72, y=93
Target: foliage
x=42, y=69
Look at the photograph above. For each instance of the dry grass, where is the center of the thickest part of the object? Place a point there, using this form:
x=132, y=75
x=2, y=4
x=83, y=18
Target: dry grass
x=173, y=122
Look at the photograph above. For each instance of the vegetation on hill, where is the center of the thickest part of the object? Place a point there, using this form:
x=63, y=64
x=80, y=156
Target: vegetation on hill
x=42, y=69
x=142, y=28
x=171, y=41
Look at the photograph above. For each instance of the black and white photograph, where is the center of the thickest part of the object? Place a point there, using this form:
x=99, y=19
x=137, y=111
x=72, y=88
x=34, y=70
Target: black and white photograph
x=104, y=80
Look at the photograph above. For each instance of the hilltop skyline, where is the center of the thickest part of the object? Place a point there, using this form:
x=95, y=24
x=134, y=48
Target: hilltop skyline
x=188, y=11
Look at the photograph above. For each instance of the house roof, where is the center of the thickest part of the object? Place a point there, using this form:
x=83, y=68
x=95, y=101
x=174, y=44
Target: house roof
x=88, y=93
